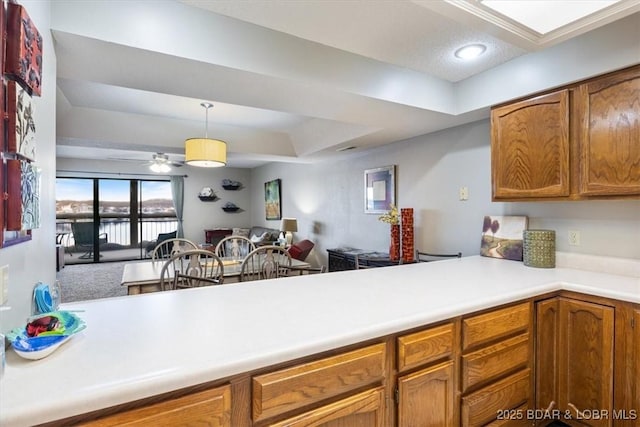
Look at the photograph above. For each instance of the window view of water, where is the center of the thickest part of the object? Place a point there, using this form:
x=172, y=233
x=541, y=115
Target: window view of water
x=130, y=213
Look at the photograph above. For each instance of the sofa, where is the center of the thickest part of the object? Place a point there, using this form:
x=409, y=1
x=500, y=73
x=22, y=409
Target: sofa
x=260, y=236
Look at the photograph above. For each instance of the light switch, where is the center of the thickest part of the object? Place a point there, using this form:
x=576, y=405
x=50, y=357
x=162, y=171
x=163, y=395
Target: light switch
x=4, y=284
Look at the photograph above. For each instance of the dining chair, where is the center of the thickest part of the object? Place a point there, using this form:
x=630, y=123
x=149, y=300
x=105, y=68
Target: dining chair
x=236, y=247
x=191, y=269
x=428, y=257
x=301, y=271
x=265, y=262
x=169, y=247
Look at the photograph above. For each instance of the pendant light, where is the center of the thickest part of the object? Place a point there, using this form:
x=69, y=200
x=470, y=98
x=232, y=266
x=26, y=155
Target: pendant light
x=205, y=152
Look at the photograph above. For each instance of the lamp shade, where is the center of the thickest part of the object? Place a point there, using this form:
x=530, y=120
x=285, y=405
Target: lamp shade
x=205, y=152
x=289, y=224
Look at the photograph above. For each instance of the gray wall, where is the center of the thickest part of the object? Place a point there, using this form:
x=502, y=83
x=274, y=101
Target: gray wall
x=34, y=261
x=328, y=198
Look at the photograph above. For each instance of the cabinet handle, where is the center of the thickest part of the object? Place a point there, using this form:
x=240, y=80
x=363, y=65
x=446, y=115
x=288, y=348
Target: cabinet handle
x=550, y=407
x=572, y=406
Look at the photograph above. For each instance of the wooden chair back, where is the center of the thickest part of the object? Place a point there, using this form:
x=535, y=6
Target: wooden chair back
x=167, y=248
x=236, y=247
x=191, y=269
x=265, y=262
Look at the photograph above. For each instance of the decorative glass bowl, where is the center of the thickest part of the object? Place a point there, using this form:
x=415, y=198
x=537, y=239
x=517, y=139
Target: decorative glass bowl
x=44, y=333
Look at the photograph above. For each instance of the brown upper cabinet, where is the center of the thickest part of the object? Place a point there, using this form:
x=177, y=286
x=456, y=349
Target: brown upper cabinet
x=578, y=142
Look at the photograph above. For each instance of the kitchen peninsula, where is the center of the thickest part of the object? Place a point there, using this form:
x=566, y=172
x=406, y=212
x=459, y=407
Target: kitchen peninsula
x=249, y=340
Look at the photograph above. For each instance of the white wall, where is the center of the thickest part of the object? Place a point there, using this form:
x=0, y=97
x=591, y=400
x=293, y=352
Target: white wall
x=328, y=201
x=34, y=261
x=197, y=215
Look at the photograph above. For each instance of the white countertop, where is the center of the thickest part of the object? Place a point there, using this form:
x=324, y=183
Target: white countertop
x=142, y=345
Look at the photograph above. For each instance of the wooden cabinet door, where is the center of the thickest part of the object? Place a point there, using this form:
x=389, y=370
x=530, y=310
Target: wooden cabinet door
x=586, y=359
x=428, y=397
x=361, y=410
x=206, y=408
x=530, y=148
x=609, y=112
x=547, y=342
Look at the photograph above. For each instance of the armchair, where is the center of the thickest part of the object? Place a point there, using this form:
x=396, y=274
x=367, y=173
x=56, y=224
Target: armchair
x=83, y=238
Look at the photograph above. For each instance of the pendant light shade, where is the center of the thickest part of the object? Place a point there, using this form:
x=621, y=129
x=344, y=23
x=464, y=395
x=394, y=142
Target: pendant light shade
x=205, y=152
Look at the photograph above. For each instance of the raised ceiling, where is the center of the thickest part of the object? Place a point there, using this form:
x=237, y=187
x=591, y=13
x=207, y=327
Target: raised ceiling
x=290, y=81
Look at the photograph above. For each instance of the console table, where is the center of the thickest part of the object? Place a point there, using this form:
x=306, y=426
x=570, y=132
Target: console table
x=345, y=258
x=214, y=235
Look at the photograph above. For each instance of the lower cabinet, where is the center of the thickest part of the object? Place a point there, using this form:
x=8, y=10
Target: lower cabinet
x=562, y=358
x=276, y=394
x=496, y=367
x=575, y=355
x=207, y=408
x=361, y=410
x=427, y=390
x=427, y=398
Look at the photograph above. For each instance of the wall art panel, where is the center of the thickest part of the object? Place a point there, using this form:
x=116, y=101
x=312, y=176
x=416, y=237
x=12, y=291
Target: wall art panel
x=23, y=203
x=24, y=49
x=21, y=127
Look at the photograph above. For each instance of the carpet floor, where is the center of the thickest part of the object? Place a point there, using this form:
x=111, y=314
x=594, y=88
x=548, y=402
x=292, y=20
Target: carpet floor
x=81, y=282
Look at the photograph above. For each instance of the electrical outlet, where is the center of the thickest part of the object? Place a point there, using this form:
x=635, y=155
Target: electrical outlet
x=574, y=238
x=4, y=284
x=463, y=193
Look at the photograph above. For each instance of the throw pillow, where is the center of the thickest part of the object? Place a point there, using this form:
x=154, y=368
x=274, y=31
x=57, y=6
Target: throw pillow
x=244, y=232
x=259, y=239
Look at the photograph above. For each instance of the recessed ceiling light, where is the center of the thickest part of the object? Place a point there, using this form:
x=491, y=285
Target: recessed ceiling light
x=470, y=51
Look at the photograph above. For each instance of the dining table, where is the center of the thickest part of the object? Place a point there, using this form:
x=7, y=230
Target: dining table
x=144, y=276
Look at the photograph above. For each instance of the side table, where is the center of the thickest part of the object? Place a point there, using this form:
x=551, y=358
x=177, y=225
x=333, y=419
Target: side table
x=341, y=259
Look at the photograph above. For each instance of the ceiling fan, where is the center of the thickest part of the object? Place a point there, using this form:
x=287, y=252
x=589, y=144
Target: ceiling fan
x=162, y=164
x=159, y=163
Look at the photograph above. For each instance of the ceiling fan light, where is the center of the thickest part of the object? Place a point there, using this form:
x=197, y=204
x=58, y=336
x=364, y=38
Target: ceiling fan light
x=159, y=167
x=205, y=152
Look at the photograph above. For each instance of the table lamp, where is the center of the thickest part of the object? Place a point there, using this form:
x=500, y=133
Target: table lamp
x=288, y=226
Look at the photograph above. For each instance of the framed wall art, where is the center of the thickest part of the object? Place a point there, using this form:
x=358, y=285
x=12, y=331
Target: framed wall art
x=379, y=189
x=272, y=199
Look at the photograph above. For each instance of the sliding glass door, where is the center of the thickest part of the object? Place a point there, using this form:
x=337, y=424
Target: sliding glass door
x=111, y=219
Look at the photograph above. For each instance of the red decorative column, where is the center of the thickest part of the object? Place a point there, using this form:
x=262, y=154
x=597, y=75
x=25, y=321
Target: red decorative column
x=394, y=243
x=406, y=221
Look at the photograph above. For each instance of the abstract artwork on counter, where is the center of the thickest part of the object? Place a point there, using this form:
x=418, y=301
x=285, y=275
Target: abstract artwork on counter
x=21, y=127
x=23, y=203
x=24, y=50
x=502, y=237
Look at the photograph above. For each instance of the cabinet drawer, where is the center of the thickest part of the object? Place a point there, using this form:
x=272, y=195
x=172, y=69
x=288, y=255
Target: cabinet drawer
x=482, y=407
x=517, y=417
x=490, y=362
x=484, y=328
x=425, y=346
x=300, y=385
x=209, y=407
x=363, y=409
